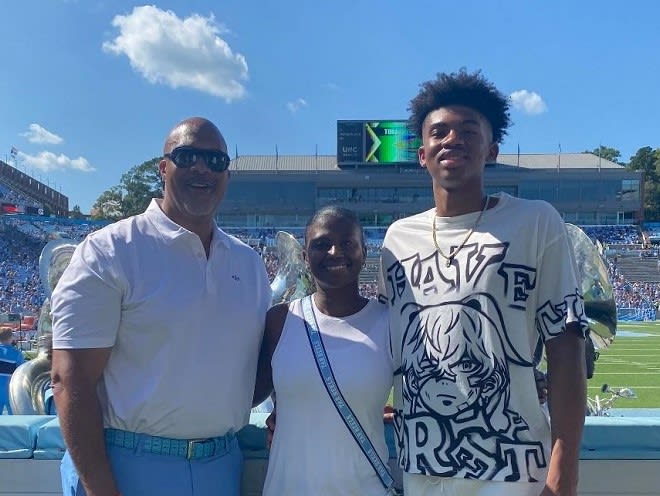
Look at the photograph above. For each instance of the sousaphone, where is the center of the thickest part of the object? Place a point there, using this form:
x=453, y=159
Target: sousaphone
x=292, y=280
x=30, y=381
x=595, y=286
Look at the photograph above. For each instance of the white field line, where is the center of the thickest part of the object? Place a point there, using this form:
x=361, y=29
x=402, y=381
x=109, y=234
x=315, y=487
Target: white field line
x=655, y=355
x=599, y=373
x=630, y=349
x=654, y=368
x=623, y=362
x=645, y=351
x=618, y=361
x=629, y=386
x=605, y=363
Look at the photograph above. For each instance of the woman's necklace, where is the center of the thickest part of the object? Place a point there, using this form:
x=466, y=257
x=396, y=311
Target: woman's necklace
x=453, y=254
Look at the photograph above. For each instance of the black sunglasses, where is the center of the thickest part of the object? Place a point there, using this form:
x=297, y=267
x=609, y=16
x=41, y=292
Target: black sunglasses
x=185, y=157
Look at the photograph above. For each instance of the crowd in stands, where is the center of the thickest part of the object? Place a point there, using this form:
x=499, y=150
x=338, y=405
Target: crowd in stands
x=8, y=195
x=632, y=294
x=20, y=291
x=270, y=260
x=22, y=239
x=619, y=235
x=369, y=289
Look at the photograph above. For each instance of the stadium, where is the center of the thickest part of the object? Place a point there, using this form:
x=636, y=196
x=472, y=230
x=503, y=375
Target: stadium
x=375, y=174
x=382, y=181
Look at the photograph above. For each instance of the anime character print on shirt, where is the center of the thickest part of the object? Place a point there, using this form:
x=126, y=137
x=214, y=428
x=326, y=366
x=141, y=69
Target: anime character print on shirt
x=456, y=364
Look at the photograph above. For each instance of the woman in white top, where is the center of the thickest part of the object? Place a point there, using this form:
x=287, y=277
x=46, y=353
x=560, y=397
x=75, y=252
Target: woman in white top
x=313, y=452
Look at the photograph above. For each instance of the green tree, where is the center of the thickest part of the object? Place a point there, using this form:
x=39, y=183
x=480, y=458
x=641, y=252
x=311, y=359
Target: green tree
x=611, y=154
x=647, y=160
x=132, y=195
x=108, y=205
x=644, y=160
x=139, y=185
x=76, y=213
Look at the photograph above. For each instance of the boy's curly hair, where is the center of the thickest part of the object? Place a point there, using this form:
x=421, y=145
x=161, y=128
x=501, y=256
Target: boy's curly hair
x=471, y=90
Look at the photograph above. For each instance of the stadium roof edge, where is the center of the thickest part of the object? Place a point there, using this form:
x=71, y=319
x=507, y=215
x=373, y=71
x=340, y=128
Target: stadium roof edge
x=325, y=163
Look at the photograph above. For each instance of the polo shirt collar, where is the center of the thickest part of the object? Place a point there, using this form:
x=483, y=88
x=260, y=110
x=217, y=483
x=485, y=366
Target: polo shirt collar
x=170, y=230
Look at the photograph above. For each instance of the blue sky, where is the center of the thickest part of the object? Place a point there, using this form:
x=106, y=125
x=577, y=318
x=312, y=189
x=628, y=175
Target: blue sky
x=90, y=88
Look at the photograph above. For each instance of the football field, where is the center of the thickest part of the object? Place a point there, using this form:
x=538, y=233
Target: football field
x=633, y=361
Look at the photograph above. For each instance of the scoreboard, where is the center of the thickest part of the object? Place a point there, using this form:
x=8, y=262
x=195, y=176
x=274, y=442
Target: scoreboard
x=376, y=142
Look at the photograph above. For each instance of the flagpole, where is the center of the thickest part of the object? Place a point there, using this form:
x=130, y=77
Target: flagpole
x=559, y=158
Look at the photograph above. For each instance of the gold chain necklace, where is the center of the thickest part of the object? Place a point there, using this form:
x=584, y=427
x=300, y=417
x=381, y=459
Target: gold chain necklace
x=453, y=254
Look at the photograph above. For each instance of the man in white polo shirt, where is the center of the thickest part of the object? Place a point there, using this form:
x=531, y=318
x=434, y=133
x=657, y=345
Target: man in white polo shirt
x=157, y=324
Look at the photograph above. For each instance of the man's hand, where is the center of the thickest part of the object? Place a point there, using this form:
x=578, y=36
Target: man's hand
x=388, y=414
x=541, y=385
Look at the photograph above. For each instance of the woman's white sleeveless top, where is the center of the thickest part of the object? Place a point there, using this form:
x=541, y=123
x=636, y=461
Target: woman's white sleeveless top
x=313, y=452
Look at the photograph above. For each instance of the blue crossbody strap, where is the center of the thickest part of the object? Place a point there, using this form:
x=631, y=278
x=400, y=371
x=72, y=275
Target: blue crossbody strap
x=347, y=415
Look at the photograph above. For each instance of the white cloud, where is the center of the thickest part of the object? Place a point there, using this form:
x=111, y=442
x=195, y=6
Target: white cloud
x=296, y=105
x=48, y=161
x=179, y=52
x=42, y=136
x=528, y=102
x=331, y=86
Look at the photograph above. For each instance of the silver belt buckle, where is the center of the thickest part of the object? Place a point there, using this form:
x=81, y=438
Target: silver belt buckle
x=191, y=447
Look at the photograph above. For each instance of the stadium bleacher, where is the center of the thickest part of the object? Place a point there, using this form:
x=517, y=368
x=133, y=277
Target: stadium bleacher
x=22, y=238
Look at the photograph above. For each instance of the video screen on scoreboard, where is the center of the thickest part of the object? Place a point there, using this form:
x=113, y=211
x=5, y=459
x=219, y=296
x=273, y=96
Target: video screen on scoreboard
x=390, y=142
x=376, y=142
x=350, y=142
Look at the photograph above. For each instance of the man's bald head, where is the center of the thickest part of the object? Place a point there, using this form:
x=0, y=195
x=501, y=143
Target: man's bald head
x=191, y=130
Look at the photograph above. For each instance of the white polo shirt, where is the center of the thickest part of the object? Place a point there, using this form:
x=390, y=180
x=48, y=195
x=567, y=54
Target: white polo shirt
x=185, y=330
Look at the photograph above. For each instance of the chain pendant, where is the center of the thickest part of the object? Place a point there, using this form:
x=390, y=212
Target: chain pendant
x=451, y=256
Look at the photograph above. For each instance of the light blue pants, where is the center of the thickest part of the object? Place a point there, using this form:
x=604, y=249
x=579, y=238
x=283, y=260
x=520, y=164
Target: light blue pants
x=141, y=474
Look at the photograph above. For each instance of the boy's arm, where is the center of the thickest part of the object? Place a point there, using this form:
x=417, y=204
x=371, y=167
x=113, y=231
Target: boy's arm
x=567, y=396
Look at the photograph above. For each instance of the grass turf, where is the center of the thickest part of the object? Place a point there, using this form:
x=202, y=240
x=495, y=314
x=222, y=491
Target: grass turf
x=633, y=360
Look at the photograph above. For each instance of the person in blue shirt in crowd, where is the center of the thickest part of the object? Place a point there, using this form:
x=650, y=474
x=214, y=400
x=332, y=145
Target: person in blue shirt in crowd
x=10, y=359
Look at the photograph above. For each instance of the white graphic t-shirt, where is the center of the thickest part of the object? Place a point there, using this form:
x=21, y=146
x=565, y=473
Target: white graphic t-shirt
x=466, y=337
